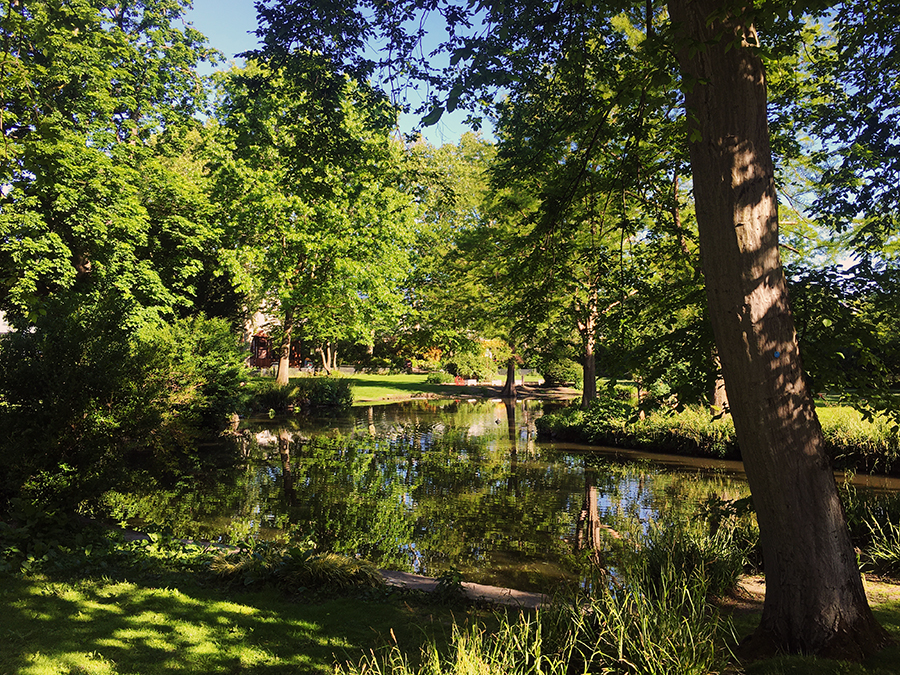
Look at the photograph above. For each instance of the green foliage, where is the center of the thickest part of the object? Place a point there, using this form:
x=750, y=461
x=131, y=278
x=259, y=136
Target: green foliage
x=439, y=377
x=34, y=540
x=621, y=628
x=872, y=520
x=266, y=394
x=851, y=441
x=292, y=568
x=335, y=392
x=91, y=205
x=717, y=557
x=301, y=392
x=846, y=323
x=561, y=371
x=472, y=365
x=447, y=288
x=81, y=392
x=882, y=556
x=308, y=181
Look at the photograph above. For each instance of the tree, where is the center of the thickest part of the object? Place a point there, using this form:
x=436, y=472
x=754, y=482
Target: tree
x=104, y=233
x=815, y=602
x=310, y=187
x=443, y=297
x=95, y=91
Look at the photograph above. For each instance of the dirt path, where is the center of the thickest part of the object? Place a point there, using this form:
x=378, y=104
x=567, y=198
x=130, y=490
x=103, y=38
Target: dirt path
x=750, y=594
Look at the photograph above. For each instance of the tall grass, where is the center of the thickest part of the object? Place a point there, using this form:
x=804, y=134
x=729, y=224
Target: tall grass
x=664, y=626
x=652, y=616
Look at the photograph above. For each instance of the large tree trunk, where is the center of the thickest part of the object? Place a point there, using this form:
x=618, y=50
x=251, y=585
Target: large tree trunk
x=284, y=349
x=815, y=601
x=509, y=388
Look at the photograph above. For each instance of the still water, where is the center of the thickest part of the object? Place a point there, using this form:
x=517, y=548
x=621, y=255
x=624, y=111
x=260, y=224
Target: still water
x=430, y=486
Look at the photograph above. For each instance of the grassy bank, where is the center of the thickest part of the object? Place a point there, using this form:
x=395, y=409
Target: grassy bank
x=853, y=443
x=155, y=608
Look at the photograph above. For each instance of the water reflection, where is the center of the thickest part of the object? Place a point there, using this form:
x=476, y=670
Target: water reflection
x=429, y=486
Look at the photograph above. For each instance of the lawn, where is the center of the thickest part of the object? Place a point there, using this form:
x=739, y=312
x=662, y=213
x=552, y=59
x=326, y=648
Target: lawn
x=120, y=627
x=368, y=388
x=105, y=626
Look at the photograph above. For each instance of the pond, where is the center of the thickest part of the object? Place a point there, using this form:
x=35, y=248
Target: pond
x=432, y=486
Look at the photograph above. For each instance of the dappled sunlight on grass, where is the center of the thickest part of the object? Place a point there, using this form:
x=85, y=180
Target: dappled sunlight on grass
x=100, y=627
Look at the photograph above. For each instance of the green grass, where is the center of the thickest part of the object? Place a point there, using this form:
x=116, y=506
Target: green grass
x=853, y=443
x=105, y=626
x=373, y=387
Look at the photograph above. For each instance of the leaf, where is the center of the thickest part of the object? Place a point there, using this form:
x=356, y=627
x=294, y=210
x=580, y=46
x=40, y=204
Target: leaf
x=453, y=98
x=432, y=118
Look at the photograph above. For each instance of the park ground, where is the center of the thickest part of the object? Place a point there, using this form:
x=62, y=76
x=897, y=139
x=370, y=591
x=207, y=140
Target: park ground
x=375, y=388
x=163, y=623
x=158, y=621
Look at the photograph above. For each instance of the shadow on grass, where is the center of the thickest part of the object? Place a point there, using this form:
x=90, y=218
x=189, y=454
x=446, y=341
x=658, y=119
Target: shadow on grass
x=374, y=387
x=885, y=662
x=103, y=626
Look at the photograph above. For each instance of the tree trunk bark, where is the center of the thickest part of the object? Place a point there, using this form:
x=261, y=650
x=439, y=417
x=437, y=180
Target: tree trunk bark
x=588, y=331
x=815, y=601
x=718, y=397
x=509, y=388
x=589, y=390
x=284, y=350
x=329, y=357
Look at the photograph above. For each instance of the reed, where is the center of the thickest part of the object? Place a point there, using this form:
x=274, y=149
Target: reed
x=644, y=621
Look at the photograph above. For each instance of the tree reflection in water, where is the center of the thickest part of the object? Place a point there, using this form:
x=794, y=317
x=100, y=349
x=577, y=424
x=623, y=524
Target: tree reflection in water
x=426, y=487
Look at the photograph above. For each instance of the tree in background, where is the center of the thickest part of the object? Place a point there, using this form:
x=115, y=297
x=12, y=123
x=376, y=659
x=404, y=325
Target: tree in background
x=443, y=299
x=310, y=187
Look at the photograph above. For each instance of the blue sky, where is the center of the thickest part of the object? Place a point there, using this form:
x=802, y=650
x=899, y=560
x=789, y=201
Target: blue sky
x=229, y=26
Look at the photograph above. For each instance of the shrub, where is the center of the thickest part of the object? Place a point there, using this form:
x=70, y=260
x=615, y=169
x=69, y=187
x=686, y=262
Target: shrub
x=82, y=390
x=309, y=392
x=332, y=392
x=472, y=366
x=562, y=371
x=269, y=395
x=697, y=430
x=438, y=377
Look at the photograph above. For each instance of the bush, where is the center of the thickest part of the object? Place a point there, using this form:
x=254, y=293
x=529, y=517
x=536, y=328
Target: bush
x=268, y=395
x=334, y=392
x=559, y=372
x=472, y=366
x=696, y=431
x=303, y=392
x=439, y=377
x=82, y=390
